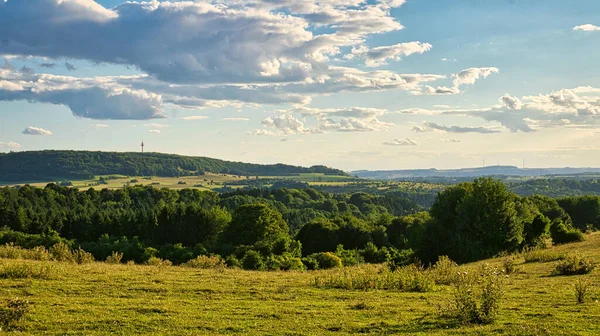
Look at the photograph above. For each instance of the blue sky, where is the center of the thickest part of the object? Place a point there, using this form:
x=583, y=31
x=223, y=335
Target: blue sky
x=377, y=84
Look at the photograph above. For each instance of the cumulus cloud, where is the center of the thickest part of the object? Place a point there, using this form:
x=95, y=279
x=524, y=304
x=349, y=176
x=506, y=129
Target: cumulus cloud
x=155, y=131
x=451, y=140
x=199, y=117
x=235, y=119
x=31, y=130
x=9, y=145
x=512, y=103
x=464, y=77
x=401, y=142
x=587, y=28
x=471, y=75
x=354, y=119
x=156, y=125
x=95, y=98
x=419, y=129
x=460, y=129
x=379, y=55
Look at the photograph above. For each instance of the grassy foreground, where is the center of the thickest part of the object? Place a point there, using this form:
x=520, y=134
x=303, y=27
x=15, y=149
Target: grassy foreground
x=102, y=299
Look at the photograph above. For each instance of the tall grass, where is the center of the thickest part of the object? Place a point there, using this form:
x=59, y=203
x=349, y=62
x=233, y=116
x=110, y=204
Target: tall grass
x=27, y=271
x=537, y=255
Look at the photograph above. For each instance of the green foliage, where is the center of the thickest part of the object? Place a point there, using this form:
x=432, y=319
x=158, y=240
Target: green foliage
x=154, y=261
x=327, y=260
x=61, y=252
x=477, y=296
x=573, y=265
x=233, y=262
x=255, y=224
x=27, y=271
x=410, y=278
x=539, y=255
x=582, y=288
x=583, y=210
x=11, y=251
x=114, y=258
x=445, y=271
x=207, y=262
x=310, y=263
x=563, y=234
x=82, y=257
x=349, y=257
x=253, y=261
x=508, y=265
x=49, y=165
x=13, y=313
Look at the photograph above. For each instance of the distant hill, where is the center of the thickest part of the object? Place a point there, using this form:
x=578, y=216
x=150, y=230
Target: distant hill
x=471, y=172
x=61, y=164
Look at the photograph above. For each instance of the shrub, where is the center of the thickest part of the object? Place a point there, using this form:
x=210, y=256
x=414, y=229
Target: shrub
x=82, y=257
x=410, y=278
x=509, y=266
x=154, y=261
x=562, y=234
x=292, y=264
x=534, y=255
x=582, y=289
x=232, y=261
x=114, y=258
x=444, y=271
x=477, y=296
x=349, y=257
x=13, y=313
x=26, y=271
x=10, y=251
x=253, y=261
x=327, y=260
x=207, y=262
x=61, y=252
x=310, y=263
x=574, y=264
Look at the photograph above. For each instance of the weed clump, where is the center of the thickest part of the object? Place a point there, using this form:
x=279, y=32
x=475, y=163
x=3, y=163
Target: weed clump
x=13, y=313
x=582, y=289
x=207, y=262
x=536, y=255
x=477, y=296
x=11, y=251
x=509, y=266
x=27, y=271
x=114, y=258
x=155, y=261
x=573, y=265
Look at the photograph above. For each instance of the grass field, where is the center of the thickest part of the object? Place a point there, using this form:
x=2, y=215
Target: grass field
x=103, y=299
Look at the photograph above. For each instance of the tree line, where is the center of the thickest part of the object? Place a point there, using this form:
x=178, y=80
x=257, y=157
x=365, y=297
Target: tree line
x=290, y=228
x=50, y=165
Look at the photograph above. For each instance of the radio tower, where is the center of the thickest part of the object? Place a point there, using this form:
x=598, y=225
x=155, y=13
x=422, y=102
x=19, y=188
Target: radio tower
x=142, y=145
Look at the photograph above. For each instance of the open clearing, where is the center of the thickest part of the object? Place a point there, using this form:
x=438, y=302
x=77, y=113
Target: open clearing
x=100, y=299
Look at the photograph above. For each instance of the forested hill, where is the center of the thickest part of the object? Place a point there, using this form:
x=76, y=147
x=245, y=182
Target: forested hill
x=56, y=164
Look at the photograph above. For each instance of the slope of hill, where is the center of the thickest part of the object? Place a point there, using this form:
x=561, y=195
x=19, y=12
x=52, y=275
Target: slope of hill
x=471, y=172
x=59, y=164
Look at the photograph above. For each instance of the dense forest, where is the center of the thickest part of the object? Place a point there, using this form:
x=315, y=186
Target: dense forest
x=51, y=165
x=292, y=228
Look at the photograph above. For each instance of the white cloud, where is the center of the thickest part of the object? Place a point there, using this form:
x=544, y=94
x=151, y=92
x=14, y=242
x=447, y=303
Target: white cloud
x=155, y=131
x=441, y=90
x=9, y=145
x=512, y=103
x=471, y=75
x=401, y=142
x=235, y=119
x=379, y=55
x=194, y=118
x=31, y=130
x=461, y=129
x=445, y=59
x=451, y=140
x=587, y=27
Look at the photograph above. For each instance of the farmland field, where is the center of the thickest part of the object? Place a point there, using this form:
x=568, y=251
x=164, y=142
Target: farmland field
x=102, y=299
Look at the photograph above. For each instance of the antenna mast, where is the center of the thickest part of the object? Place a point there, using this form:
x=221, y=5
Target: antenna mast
x=142, y=145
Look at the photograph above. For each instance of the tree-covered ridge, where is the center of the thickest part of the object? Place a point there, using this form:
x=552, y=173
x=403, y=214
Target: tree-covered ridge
x=61, y=164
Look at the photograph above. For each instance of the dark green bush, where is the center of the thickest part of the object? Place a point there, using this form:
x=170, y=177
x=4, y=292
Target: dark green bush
x=253, y=261
x=310, y=263
x=563, y=234
x=233, y=262
x=573, y=265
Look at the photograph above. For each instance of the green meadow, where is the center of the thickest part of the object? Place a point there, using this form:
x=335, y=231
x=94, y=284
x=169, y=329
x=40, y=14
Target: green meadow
x=107, y=299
